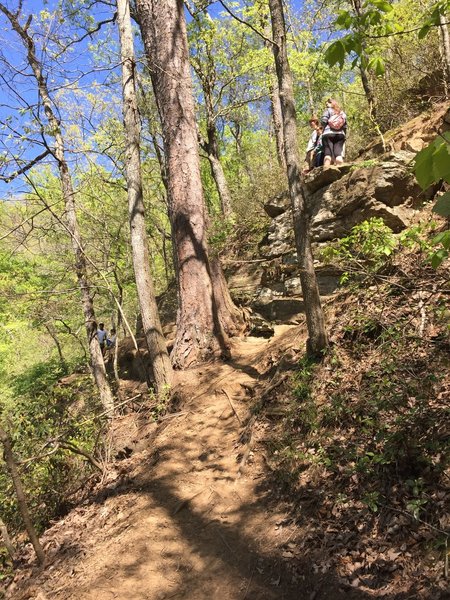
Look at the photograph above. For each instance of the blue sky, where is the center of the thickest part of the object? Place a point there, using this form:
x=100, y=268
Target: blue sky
x=77, y=66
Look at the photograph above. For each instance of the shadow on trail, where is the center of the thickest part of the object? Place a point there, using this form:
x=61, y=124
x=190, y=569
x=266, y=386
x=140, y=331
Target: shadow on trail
x=234, y=565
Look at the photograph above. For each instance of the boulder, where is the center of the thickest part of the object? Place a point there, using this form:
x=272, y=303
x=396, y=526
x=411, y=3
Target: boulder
x=260, y=327
x=341, y=197
x=387, y=190
x=278, y=205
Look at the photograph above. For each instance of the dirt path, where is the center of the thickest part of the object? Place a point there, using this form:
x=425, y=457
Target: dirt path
x=183, y=522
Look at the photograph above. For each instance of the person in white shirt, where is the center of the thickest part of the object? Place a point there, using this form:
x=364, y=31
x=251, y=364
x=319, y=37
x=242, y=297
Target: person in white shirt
x=101, y=336
x=312, y=142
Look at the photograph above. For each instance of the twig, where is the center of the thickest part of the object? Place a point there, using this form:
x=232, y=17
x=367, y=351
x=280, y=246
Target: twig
x=105, y=412
x=238, y=262
x=231, y=404
x=173, y=415
x=73, y=448
x=274, y=385
x=249, y=584
x=247, y=434
x=247, y=24
x=225, y=541
x=407, y=514
x=446, y=559
x=185, y=502
x=423, y=317
x=39, y=456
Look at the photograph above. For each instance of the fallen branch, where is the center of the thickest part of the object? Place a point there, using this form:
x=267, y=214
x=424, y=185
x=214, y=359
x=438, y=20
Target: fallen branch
x=231, y=404
x=247, y=434
x=73, y=448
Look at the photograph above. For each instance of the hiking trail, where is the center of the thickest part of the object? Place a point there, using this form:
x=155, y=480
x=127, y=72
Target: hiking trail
x=188, y=516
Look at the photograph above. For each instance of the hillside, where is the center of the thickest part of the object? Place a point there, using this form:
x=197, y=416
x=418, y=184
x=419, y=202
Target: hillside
x=270, y=476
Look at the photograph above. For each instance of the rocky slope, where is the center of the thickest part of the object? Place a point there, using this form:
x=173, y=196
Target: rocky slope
x=381, y=185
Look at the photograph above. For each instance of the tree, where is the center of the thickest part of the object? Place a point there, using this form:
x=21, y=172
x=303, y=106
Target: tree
x=68, y=193
x=206, y=315
x=445, y=42
x=21, y=500
x=204, y=63
x=159, y=357
x=318, y=341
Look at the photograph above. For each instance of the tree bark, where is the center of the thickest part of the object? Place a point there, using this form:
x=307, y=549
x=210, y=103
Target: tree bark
x=20, y=494
x=367, y=86
x=315, y=321
x=7, y=540
x=445, y=40
x=156, y=343
x=97, y=364
x=277, y=119
x=211, y=147
x=205, y=318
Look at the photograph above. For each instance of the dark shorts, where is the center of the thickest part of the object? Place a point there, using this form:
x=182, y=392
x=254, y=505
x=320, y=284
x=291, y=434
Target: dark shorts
x=333, y=145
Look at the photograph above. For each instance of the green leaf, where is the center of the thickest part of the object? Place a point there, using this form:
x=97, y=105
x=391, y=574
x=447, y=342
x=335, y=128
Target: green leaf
x=382, y=5
x=424, y=32
x=442, y=206
x=441, y=162
x=438, y=258
x=335, y=53
x=344, y=20
x=442, y=238
x=424, y=166
x=377, y=64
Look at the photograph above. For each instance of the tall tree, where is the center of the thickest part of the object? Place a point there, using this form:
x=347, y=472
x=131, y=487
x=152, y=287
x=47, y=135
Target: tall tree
x=159, y=357
x=317, y=341
x=68, y=193
x=206, y=314
x=204, y=65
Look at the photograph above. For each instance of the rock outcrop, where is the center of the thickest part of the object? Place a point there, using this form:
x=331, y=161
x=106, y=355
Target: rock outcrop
x=414, y=135
x=337, y=198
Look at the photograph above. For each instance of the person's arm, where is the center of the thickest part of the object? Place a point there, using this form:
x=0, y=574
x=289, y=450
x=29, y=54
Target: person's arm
x=325, y=117
x=311, y=142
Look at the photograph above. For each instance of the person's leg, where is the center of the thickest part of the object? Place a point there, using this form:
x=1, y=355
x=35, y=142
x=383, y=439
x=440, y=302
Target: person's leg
x=327, y=151
x=332, y=140
x=339, y=151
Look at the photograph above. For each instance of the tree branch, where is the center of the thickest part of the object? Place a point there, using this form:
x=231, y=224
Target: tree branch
x=25, y=168
x=261, y=35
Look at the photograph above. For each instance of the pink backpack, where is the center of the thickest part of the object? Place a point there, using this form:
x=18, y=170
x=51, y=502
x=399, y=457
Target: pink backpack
x=336, y=121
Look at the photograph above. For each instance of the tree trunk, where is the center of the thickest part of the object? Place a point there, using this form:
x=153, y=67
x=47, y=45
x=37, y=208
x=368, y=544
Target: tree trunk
x=211, y=147
x=445, y=40
x=367, y=86
x=277, y=119
x=156, y=343
x=317, y=342
x=98, y=366
x=21, y=500
x=204, y=318
x=7, y=540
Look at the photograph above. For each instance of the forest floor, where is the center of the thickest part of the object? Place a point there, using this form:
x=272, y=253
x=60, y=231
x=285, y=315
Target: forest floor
x=191, y=514
x=215, y=500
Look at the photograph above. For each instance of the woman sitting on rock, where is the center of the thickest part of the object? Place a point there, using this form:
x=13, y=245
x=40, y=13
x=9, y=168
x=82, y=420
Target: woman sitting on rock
x=334, y=121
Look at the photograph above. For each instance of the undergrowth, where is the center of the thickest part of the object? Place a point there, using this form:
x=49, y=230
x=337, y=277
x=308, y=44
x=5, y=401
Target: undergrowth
x=47, y=413
x=365, y=432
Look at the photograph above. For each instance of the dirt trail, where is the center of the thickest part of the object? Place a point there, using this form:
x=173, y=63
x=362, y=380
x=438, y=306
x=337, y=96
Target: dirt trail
x=183, y=523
